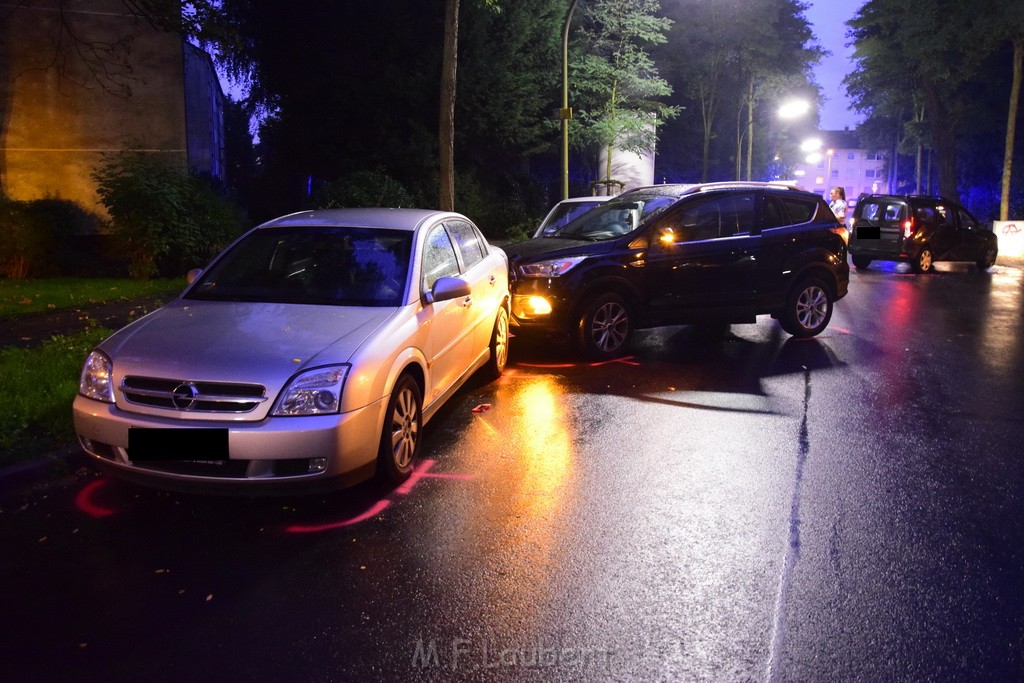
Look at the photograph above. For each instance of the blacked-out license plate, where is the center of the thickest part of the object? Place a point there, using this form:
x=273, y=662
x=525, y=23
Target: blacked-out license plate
x=868, y=233
x=146, y=444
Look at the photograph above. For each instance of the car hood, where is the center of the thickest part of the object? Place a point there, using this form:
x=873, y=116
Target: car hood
x=543, y=247
x=240, y=341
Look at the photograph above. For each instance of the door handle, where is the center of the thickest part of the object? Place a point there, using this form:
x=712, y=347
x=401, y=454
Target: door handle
x=494, y=278
x=467, y=302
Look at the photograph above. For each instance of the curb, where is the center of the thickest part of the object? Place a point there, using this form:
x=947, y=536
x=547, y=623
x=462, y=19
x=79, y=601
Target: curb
x=24, y=475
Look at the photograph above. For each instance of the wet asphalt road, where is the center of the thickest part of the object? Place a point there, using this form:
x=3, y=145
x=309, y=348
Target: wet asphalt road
x=721, y=505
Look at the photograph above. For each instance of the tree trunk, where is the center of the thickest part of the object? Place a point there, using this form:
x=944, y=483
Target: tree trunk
x=917, y=171
x=944, y=137
x=1011, y=128
x=446, y=128
x=750, y=132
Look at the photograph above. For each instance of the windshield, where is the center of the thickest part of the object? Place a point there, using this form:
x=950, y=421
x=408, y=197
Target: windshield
x=563, y=213
x=312, y=265
x=615, y=217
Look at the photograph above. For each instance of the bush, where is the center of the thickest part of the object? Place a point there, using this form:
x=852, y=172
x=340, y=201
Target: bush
x=71, y=228
x=25, y=242
x=364, y=189
x=166, y=220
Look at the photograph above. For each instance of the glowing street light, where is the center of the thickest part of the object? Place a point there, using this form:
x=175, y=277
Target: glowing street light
x=810, y=145
x=793, y=109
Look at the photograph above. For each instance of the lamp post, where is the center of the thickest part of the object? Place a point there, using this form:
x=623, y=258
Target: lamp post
x=566, y=113
x=828, y=172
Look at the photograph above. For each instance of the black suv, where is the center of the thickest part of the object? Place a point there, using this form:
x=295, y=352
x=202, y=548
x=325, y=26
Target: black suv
x=671, y=254
x=919, y=231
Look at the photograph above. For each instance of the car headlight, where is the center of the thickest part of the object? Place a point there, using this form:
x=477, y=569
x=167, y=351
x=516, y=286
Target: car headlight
x=95, y=380
x=313, y=392
x=550, y=268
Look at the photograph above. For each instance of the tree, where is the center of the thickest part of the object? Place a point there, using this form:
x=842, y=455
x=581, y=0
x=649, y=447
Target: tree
x=446, y=127
x=777, y=44
x=906, y=48
x=166, y=219
x=616, y=79
x=732, y=55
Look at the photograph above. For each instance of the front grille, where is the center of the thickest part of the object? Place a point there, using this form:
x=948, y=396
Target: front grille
x=196, y=397
x=227, y=469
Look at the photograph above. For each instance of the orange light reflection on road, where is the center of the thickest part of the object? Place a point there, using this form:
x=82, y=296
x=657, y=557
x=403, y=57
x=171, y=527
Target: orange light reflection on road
x=547, y=449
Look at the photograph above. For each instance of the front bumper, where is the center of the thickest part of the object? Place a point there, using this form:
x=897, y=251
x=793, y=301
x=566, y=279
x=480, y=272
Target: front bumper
x=279, y=454
x=528, y=311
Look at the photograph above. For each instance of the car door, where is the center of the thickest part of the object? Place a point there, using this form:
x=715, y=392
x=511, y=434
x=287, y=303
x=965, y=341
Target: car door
x=702, y=258
x=486, y=277
x=943, y=233
x=450, y=337
x=974, y=238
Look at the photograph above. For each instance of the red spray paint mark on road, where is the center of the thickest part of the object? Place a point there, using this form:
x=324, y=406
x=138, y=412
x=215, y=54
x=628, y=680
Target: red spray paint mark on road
x=84, y=502
x=625, y=360
x=373, y=511
x=421, y=472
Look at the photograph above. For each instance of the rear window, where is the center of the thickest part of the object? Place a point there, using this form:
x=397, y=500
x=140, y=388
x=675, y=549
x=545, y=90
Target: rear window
x=873, y=210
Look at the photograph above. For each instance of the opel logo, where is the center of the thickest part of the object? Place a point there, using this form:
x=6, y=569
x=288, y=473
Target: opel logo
x=184, y=396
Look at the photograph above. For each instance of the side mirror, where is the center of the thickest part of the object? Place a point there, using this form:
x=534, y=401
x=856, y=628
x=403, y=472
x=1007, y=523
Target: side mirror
x=448, y=288
x=193, y=275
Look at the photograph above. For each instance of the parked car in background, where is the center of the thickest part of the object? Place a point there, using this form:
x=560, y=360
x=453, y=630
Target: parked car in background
x=308, y=355
x=565, y=211
x=919, y=231
x=669, y=254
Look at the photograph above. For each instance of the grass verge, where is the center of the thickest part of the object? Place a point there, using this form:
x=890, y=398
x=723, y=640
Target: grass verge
x=38, y=386
x=18, y=297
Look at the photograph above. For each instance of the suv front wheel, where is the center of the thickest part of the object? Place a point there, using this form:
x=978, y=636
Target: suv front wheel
x=808, y=308
x=605, y=327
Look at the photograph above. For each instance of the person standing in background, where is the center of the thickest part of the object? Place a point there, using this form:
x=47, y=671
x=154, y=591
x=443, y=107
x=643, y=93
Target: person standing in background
x=838, y=203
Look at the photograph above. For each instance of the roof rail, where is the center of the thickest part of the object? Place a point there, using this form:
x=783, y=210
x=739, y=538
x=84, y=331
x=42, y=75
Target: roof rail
x=740, y=184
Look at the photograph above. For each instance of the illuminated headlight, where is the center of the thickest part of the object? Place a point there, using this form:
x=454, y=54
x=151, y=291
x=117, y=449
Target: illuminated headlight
x=551, y=268
x=95, y=381
x=314, y=392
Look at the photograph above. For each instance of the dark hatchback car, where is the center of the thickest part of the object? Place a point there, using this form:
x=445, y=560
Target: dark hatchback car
x=919, y=231
x=672, y=254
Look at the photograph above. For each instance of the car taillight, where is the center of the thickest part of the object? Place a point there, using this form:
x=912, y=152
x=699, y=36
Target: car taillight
x=908, y=227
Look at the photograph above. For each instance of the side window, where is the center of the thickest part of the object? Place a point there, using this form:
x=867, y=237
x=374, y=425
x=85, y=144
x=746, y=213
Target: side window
x=945, y=215
x=774, y=216
x=721, y=216
x=967, y=220
x=469, y=242
x=438, y=258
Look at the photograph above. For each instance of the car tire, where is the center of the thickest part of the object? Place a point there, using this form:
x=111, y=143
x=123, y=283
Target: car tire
x=400, y=436
x=499, y=346
x=924, y=262
x=605, y=327
x=989, y=259
x=808, y=308
x=861, y=262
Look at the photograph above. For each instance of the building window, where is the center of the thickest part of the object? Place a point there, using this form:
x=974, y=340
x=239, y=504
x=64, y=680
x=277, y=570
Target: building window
x=850, y=156
x=870, y=173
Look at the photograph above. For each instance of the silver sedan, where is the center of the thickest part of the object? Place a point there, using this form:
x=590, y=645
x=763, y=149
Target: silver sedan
x=308, y=355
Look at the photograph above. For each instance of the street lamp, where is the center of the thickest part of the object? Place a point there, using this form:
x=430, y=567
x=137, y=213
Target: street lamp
x=566, y=113
x=828, y=171
x=793, y=109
